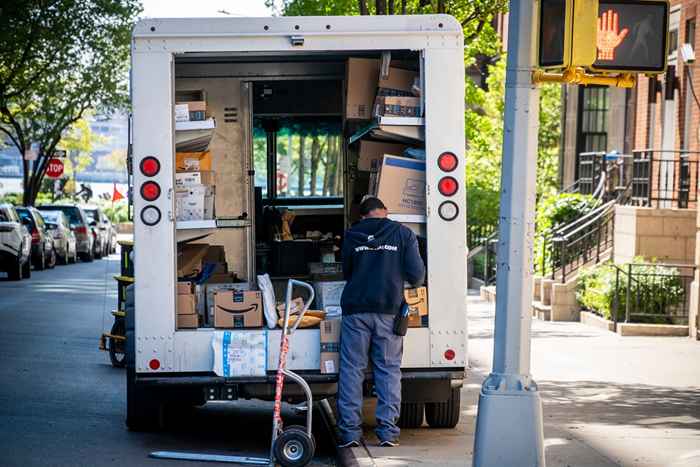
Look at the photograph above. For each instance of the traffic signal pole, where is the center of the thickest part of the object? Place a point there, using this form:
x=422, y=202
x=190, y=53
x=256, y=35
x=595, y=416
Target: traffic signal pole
x=509, y=420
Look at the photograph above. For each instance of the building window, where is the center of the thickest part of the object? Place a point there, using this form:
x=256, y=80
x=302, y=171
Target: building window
x=688, y=98
x=594, y=104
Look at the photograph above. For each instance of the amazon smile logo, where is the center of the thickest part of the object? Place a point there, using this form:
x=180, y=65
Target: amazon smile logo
x=253, y=307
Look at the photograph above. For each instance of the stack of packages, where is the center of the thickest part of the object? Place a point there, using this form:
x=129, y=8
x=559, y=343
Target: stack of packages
x=328, y=294
x=194, y=178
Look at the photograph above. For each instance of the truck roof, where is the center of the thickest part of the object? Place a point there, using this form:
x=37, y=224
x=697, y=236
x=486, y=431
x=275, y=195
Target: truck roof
x=289, y=25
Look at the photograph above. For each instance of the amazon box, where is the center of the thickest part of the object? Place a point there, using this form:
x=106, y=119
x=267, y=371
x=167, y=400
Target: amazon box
x=193, y=161
x=238, y=309
x=399, y=82
x=190, y=258
x=371, y=152
x=362, y=76
x=186, y=304
x=187, y=321
x=330, y=345
x=401, y=185
x=417, y=301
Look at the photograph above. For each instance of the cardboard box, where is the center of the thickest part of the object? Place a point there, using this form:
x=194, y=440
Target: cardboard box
x=328, y=293
x=330, y=345
x=182, y=114
x=210, y=288
x=193, y=106
x=184, y=288
x=398, y=83
x=189, y=179
x=190, y=258
x=192, y=161
x=397, y=106
x=371, y=152
x=188, y=321
x=194, y=203
x=240, y=353
x=417, y=301
x=401, y=185
x=362, y=75
x=238, y=309
x=186, y=304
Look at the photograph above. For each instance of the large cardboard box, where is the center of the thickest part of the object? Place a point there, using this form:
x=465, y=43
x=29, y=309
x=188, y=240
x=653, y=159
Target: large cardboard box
x=186, y=304
x=397, y=106
x=184, y=288
x=190, y=258
x=417, y=301
x=330, y=345
x=401, y=185
x=210, y=288
x=362, y=76
x=188, y=179
x=193, y=161
x=328, y=293
x=194, y=203
x=187, y=321
x=399, y=82
x=371, y=152
x=238, y=309
x=240, y=353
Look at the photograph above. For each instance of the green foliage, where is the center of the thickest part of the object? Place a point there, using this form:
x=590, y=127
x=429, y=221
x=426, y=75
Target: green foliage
x=116, y=212
x=548, y=138
x=655, y=289
x=58, y=60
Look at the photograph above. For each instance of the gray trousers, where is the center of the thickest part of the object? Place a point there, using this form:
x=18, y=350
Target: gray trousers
x=370, y=335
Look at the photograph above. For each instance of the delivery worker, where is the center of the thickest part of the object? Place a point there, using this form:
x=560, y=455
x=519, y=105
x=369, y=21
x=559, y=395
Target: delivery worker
x=378, y=256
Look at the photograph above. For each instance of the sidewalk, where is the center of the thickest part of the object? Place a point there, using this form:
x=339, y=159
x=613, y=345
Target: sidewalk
x=608, y=400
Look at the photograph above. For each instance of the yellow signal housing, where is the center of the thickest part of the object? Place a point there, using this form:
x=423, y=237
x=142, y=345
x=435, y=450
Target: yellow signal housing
x=583, y=32
x=566, y=33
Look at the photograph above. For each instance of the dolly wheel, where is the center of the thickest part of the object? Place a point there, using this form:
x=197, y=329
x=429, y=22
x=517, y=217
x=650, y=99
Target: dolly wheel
x=294, y=448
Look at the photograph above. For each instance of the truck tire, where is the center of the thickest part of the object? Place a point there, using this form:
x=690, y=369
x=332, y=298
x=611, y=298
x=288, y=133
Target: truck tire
x=14, y=272
x=27, y=269
x=444, y=414
x=411, y=414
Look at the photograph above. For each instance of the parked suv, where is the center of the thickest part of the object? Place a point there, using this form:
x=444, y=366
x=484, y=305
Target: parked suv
x=101, y=228
x=79, y=224
x=15, y=244
x=43, y=253
x=63, y=237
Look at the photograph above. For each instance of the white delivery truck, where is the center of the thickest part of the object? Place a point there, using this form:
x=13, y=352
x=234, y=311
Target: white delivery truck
x=290, y=115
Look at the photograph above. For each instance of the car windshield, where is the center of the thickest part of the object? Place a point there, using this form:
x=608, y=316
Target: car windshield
x=91, y=214
x=72, y=213
x=25, y=214
x=4, y=217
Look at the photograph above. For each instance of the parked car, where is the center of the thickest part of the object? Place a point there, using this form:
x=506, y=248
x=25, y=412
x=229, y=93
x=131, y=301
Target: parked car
x=15, y=245
x=79, y=224
x=43, y=253
x=98, y=221
x=64, y=241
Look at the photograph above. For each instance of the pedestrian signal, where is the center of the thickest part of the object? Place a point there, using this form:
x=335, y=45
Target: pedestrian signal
x=567, y=30
x=632, y=36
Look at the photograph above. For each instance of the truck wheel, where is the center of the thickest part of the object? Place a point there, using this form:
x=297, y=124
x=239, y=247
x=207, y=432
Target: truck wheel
x=87, y=257
x=411, y=414
x=444, y=414
x=14, y=273
x=27, y=269
x=294, y=448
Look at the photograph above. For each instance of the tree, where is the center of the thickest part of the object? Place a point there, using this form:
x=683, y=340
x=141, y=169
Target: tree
x=59, y=59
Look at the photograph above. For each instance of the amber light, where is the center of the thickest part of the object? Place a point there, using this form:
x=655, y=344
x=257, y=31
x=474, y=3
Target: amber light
x=150, y=191
x=448, y=186
x=447, y=162
x=150, y=166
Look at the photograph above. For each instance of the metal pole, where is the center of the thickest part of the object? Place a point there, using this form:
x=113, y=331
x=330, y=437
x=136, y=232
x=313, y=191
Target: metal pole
x=509, y=393
x=628, y=296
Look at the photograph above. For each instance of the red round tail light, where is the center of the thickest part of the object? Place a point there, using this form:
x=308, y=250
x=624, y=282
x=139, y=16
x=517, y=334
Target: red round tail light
x=450, y=354
x=448, y=186
x=150, y=191
x=447, y=161
x=154, y=364
x=150, y=166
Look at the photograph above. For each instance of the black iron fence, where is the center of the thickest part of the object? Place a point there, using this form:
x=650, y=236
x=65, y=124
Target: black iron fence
x=652, y=293
x=477, y=233
x=664, y=179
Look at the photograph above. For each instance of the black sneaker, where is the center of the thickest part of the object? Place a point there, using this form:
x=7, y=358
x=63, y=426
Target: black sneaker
x=388, y=443
x=350, y=444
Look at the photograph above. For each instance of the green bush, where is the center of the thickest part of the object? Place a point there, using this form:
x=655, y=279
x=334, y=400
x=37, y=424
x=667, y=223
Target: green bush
x=655, y=289
x=117, y=212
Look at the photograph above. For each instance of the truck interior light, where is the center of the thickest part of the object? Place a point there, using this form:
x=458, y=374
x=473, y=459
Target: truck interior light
x=448, y=186
x=447, y=162
x=154, y=364
x=150, y=166
x=449, y=354
x=150, y=215
x=150, y=191
x=448, y=210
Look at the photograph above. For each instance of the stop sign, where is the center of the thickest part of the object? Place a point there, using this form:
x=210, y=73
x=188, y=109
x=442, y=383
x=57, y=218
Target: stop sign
x=54, y=168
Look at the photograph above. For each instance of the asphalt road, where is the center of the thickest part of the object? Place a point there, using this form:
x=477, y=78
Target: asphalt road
x=63, y=404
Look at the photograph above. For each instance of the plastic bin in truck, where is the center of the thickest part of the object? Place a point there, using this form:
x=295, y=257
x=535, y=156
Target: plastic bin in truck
x=294, y=120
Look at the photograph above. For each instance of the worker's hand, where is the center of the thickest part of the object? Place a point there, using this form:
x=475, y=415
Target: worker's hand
x=609, y=35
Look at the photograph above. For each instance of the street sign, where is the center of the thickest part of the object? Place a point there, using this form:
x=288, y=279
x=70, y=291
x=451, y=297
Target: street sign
x=632, y=36
x=54, y=169
x=60, y=153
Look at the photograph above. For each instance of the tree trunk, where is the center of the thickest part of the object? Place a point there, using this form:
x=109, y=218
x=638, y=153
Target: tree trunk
x=363, y=7
x=380, y=7
x=315, y=155
x=391, y=7
x=441, y=6
x=302, y=156
x=403, y=7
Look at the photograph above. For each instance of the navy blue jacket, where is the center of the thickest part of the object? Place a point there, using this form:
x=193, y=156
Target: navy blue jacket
x=378, y=256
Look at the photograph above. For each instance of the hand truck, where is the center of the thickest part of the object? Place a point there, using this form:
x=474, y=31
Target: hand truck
x=290, y=447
